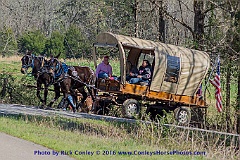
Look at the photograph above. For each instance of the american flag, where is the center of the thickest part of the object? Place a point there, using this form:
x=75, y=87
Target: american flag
x=216, y=83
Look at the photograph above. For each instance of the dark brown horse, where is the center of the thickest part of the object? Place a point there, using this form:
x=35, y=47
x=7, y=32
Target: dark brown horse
x=41, y=74
x=72, y=78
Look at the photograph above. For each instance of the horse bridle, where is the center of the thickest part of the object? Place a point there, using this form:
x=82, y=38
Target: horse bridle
x=29, y=63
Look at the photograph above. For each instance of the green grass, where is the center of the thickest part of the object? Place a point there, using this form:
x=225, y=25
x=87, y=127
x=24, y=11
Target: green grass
x=114, y=63
x=100, y=135
x=213, y=116
x=11, y=66
x=48, y=134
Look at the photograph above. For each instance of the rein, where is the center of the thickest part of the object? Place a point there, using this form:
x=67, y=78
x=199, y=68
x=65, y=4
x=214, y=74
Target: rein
x=86, y=84
x=58, y=70
x=28, y=64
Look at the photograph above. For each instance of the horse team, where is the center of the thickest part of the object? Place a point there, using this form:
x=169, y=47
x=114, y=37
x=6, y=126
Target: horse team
x=75, y=82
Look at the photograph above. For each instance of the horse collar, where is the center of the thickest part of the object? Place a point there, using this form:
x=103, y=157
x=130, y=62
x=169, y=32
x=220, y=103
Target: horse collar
x=32, y=64
x=59, y=71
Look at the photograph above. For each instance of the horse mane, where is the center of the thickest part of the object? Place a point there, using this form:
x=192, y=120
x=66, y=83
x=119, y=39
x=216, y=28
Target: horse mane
x=29, y=52
x=43, y=61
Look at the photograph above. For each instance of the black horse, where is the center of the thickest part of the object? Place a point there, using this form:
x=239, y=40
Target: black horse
x=41, y=74
x=72, y=78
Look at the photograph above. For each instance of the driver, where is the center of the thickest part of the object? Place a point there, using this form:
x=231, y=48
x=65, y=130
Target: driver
x=104, y=69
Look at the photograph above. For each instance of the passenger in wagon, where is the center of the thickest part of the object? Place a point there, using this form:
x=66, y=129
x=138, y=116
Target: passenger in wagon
x=104, y=69
x=144, y=73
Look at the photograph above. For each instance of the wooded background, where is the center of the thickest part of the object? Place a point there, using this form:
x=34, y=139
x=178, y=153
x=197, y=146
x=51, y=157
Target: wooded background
x=69, y=27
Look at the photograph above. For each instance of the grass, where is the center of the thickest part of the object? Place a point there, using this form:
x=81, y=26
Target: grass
x=11, y=66
x=63, y=134
x=83, y=62
x=213, y=116
x=52, y=134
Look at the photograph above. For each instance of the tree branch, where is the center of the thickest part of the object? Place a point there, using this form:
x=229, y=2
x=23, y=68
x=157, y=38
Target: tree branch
x=186, y=6
x=175, y=19
x=179, y=21
x=220, y=6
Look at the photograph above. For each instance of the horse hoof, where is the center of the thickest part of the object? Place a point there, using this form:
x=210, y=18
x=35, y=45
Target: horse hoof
x=40, y=107
x=74, y=110
x=79, y=110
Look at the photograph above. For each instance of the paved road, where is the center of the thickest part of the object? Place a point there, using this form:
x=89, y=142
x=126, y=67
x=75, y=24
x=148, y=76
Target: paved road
x=12, y=148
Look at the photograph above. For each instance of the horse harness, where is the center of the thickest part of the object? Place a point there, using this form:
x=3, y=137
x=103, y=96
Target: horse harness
x=30, y=63
x=58, y=70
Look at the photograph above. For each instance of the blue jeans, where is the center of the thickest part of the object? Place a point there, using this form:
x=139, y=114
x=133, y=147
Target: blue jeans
x=136, y=80
x=103, y=75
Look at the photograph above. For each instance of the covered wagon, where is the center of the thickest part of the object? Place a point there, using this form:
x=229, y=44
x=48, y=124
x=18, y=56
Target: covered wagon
x=177, y=74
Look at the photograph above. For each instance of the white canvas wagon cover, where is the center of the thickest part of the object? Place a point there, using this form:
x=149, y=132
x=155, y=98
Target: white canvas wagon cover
x=176, y=70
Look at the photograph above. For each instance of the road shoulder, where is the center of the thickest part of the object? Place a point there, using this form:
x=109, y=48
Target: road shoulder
x=12, y=148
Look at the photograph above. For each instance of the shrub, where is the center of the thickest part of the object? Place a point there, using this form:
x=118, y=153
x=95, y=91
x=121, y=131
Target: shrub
x=8, y=43
x=33, y=41
x=75, y=43
x=55, y=44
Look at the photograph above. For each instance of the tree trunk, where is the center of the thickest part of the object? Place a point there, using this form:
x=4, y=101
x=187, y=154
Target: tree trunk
x=135, y=10
x=238, y=103
x=199, y=17
x=4, y=88
x=228, y=105
x=161, y=23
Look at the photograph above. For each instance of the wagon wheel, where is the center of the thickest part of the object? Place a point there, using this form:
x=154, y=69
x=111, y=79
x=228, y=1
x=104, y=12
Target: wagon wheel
x=131, y=108
x=182, y=115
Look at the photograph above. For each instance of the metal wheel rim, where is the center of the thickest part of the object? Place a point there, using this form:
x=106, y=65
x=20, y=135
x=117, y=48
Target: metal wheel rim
x=132, y=108
x=183, y=116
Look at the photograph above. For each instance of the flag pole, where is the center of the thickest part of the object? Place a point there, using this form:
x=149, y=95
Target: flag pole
x=210, y=75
